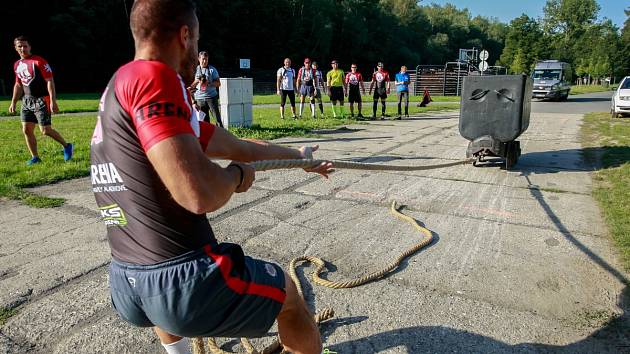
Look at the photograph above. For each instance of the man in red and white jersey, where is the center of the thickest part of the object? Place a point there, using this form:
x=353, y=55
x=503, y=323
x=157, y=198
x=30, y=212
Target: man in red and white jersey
x=154, y=183
x=34, y=82
x=354, y=80
x=380, y=84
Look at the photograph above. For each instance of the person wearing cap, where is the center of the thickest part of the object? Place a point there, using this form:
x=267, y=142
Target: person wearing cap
x=380, y=79
x=285, y=86
x=402, y=88
x=354, y=82
x=319, y=86
x=336, y=87
x=307, y=81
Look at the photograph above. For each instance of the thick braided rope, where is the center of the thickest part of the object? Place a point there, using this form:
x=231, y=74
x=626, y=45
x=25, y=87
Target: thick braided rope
x=266, y=165
x=320, y=265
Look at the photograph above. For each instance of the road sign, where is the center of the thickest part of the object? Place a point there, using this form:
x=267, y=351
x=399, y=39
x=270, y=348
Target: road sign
x=484, y=55
x=483, y=66
x=244, y=63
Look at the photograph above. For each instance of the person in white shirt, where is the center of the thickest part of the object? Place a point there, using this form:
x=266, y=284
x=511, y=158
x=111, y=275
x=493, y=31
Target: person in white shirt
x=285, y=86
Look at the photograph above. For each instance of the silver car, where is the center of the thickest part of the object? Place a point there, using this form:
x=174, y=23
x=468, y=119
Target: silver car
x=620, y=104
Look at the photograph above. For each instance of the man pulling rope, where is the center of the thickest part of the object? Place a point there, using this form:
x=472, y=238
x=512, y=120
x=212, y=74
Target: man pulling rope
x=153, y=183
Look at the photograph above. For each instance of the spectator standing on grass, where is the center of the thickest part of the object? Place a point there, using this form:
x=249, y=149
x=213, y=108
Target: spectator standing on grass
x=380, y=84
x=34, y=82
x=206, y=88
x=319, y=87
x=354, y=82
x=307, y=82
x=336, y=87
x=402, y=88
x=285, y=86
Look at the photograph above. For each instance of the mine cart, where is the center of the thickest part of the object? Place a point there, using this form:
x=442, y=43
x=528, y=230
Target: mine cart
x=494, y=112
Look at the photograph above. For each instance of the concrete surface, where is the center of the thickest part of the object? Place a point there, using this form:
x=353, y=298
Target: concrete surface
x=521, y=260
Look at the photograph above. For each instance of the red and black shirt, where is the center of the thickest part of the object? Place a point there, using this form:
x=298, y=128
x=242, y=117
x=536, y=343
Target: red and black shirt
x=381, y=78
x=32, y=73
x=144, y=103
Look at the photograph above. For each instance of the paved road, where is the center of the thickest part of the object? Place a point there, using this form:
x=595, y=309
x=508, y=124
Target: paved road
x=521, y=262
x=579, y=104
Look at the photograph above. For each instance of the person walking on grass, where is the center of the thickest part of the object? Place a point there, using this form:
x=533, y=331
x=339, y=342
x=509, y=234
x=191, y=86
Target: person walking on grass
x=285, y=87
x=34, y=82
x=206, y=87
x=402, y=88
x=307, y=82
x=319, y=87
x=380, y=84
x=336, y=87
x=354, y=82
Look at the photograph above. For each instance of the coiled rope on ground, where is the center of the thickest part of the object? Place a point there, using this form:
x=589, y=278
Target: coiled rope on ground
x=320, y=265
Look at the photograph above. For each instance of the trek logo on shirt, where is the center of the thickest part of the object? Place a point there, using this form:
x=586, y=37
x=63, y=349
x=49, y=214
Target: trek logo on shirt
x=113, y=215
x=162, y=109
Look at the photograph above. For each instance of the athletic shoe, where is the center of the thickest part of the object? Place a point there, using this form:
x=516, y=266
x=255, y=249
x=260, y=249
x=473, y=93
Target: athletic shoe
x=406, y=115
x=373, y=117
x=352, y=115
x=68, y=151
x=360, y=115
x=294, y=117
x=382, y=117
x=399, y=117
x=33, y=161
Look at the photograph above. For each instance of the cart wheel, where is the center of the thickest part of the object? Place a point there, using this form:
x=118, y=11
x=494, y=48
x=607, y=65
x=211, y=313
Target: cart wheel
x=511, y=155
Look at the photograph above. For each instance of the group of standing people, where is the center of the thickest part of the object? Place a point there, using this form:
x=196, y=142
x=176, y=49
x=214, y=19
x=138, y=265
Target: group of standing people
x=309, y=83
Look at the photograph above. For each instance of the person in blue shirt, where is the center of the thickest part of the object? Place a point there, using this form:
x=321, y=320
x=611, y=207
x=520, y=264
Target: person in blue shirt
x=402, y=88
x=206, y=89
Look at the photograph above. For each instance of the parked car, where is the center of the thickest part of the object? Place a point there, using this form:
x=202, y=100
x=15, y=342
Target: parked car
x=620, y=104
x=552, y=79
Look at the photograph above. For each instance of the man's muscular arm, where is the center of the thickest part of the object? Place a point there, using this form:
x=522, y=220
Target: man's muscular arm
x=224, y=145
x=17, y=94
x=196, y=183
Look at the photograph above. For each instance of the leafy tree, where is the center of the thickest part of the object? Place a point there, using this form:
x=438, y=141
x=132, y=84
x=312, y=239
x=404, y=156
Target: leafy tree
x=524, y=45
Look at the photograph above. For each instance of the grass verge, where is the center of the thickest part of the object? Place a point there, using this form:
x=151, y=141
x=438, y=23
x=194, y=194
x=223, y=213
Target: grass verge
x=607, y=141
x=582, y=89
x=88, y=102
x=15, y=175
x=5, y=314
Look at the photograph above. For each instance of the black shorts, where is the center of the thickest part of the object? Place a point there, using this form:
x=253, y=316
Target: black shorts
x=36, y=110
x=283, y=97
x=336, y=93
x=380, y=93
x=212, y=292
x=354, y=95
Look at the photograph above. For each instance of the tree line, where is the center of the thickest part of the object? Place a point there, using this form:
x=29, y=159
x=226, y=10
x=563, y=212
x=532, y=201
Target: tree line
x=86, y=41
x=569, y=31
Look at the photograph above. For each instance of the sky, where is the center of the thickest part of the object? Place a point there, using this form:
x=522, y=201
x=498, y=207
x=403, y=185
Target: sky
x=508, y=10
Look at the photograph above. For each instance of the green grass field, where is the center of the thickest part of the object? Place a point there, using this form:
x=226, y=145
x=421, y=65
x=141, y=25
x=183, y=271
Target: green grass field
x=582, y=89
x=275, y=99
x=610, y=142
x=15, y=175
x=88, y=102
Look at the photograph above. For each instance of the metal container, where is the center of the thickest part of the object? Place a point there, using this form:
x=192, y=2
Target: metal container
x=494, y=112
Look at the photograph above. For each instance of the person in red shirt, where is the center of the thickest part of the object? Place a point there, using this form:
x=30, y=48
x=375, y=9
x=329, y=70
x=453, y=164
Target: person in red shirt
x=34, y=81
x=354, y=80
x=154, y=180
x=380, y=79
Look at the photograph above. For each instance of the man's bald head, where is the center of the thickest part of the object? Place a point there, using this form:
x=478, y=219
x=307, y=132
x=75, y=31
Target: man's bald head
x=158, y=20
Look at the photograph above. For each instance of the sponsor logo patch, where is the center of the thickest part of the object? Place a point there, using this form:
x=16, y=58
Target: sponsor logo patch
x=113, y=215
